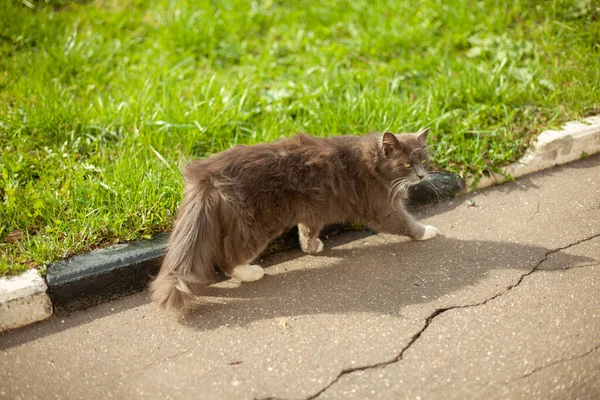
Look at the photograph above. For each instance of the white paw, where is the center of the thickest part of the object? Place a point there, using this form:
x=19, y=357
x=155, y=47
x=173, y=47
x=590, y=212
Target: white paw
x=430, y=232
x=320, y=246
x=247, y=273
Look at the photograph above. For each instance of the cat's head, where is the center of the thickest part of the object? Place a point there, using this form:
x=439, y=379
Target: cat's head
x=404, y=157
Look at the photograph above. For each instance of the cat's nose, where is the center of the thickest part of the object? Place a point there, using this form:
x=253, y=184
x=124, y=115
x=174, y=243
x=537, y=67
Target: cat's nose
x=421, y=176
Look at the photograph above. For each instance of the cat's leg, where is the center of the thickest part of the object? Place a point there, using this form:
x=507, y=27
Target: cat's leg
x=309, y=238
x=399, y=222
x=236, y=260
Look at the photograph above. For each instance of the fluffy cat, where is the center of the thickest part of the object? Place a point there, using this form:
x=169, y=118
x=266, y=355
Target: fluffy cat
x=237, y=201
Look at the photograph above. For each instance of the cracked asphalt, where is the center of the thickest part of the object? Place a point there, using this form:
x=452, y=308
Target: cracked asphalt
x=506, y=304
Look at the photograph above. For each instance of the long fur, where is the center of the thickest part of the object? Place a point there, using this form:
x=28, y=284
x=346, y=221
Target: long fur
x=188, y=264
x=238, y=200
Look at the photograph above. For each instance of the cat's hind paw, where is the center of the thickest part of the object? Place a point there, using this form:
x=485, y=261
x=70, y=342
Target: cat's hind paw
x=320, y=246
x=430, y=232
x=247, y=273
x=314, y=247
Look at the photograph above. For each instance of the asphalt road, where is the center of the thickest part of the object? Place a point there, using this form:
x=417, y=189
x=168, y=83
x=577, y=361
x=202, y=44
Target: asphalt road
x=506, y=304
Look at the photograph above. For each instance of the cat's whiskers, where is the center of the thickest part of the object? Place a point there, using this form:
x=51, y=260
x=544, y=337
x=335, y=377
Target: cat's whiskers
x=435, y=189
x=397, y=182
x=393, y=185
x=398, y=187
x=439, y=192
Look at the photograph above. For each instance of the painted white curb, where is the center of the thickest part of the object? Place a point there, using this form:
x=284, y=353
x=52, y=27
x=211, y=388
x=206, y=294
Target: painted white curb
x=23, y=300
x=552, y=148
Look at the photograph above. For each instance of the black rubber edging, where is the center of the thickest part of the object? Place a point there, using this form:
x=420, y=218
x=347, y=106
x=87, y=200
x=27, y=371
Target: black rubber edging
x=89, y=279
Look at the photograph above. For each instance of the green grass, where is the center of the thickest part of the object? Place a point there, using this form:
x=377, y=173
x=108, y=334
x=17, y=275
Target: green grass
x=102, y=101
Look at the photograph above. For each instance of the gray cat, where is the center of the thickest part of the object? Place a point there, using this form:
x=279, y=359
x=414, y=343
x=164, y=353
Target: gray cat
x=237, y=201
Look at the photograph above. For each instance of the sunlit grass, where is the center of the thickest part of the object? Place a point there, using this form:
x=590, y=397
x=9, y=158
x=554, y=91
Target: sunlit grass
x=101, y=102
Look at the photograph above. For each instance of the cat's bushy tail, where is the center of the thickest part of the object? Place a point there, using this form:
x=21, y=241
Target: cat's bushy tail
x=188, y=263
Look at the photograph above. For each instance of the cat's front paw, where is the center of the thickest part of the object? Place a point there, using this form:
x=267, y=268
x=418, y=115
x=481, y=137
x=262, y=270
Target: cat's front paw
x=430, y=232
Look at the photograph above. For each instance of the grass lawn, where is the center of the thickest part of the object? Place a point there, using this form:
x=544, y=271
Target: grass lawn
x=102, y=101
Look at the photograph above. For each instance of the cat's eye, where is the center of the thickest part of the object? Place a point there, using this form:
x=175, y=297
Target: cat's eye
x=423, y=162
x=408, y=165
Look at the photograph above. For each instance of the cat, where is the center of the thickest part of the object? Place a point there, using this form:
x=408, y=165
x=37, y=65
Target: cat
x=236, y=201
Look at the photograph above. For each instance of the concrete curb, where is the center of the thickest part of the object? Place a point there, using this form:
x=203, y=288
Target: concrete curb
x=89, y=279
x=23, y=300
x=551, y=148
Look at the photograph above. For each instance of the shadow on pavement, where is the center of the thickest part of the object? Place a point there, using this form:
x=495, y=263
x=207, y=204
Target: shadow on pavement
x=350, y=276
x=377, y=278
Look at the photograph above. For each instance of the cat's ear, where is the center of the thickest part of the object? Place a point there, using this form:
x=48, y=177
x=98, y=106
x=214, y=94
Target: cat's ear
x=422, y=136
x=389, y=143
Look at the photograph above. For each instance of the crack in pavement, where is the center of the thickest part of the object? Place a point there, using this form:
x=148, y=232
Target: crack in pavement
x=436, y=313
x=538, y=369
x=536, y=211
x=162, y=360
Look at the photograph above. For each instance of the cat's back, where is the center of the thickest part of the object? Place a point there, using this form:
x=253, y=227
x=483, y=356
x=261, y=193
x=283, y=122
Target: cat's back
x=283, y=157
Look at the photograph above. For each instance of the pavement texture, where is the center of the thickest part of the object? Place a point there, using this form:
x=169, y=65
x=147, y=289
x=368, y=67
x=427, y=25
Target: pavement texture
x=506, y=304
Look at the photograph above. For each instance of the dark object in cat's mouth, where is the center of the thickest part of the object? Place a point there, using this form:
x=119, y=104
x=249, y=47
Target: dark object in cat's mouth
x=437, y=187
